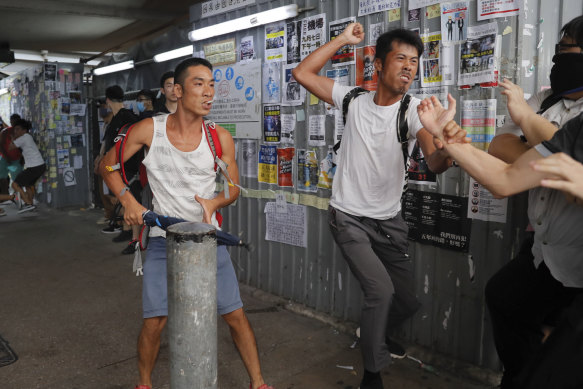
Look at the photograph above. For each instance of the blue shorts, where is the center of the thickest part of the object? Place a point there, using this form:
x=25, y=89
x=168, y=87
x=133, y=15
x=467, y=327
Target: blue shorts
x=155, y=290
x=9, y=168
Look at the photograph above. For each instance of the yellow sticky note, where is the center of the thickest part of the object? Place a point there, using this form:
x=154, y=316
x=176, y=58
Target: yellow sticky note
x=73, y=151
x=52, y=152
x=433, y=11
x=54, y=185
x=313, y=99
x=394, y=15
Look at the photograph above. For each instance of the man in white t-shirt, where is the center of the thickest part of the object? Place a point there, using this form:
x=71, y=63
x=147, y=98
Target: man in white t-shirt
x=365, y=207
x=34, y=164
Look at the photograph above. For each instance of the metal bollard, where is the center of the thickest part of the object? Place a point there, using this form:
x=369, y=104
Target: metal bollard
x=192, y=305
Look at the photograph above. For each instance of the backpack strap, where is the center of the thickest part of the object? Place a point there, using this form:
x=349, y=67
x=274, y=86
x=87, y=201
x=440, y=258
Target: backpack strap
x=120, y=142
x=403, y=135
x=351, y=95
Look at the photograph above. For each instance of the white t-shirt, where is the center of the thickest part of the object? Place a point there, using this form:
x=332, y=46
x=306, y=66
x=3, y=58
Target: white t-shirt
x=176, y=176
x=32, y=157
x=370, y=173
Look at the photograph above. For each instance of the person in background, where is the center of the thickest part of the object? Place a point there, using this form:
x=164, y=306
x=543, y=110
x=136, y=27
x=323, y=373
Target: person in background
x=145, y=101
x=167, y=89
x=33, y=162
x=107, y=200
x=10, y=160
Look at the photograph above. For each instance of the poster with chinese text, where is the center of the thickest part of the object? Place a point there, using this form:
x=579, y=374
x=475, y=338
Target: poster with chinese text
x=271, y=123
x=285, y=159
x=366, y=75
x=313, y=34
x=345, y=55
x=267, y=164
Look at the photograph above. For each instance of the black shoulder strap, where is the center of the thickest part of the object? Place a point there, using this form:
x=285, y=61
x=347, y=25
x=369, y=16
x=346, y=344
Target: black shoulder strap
x=547, y=103
x=403, y=136
x=353, y=94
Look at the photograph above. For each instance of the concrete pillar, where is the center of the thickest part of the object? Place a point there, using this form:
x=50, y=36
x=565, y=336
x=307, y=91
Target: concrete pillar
x=192, y=305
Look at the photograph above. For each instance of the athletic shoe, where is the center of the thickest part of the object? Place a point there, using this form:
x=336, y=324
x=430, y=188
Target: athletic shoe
x=397, y=351
x=111, y=229
x=27, y=208
x=264, y=386
x=2, y=212
x=123, y=236
x=130, y=248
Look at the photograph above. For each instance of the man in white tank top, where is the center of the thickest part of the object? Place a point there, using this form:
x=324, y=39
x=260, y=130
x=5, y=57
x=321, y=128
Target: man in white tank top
x=180, y=167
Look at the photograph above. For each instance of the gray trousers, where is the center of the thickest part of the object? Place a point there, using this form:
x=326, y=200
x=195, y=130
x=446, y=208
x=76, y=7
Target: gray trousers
x=376, y=252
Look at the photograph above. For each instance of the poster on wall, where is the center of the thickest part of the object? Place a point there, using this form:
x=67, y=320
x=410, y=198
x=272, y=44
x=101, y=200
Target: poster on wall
x=249, y=155
x=275, y=42
x=267, y=170
x=271, y=123
x=313, y=34
x=340, y=76
x=237, y=102
x=437, y=219
x=246, y=48
x=454, y=24
x=293, y=93
x=288, y=126
x=489, y=9
x=418, y=171
x=217, y=7
x=373, y=6
x=271, y=82
x=307, y=171
x=289, y=227
x=344, y=55
x=422, y=3
x=483, y=206
x=294, y=32
x=374, y=31
x=366, y=76
x=477, y=55
x=479, y=121
x=327, y=170
x=430, y=64
x=285, y=160
x=50, y=72
x=221, y=53
x=317, y=130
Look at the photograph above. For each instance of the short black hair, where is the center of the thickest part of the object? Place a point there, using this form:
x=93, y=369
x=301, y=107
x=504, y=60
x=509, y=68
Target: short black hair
x=15, y=116
x=148, y=93
x=385, y=41
x=166, y=76
x=24, y=124
x=180, y=71
x=574, y=30
x=114, y=93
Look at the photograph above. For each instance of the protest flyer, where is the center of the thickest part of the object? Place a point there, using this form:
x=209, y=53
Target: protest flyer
x=310, y=176
x=454, y=24
x=418, y=171
x=422, y=3
x=271, y=82
x=275, y=42
x=316, y=130
x=430, y=64
x=345, y=55
x=285, y=159
x=288, y=126
x=479, y=121
x=327, y=170
x=246, y=48
x=477, y=55
x=483, y=206
x=249, y=155
x=374, y=6
x=293, y=93
x=340, y=76
x=366, y=76
x=267, y=164
x=272, y=123
x=313, y=34
x=374, y=31
x=489, y=9
x=293, y=30
x=288, y=225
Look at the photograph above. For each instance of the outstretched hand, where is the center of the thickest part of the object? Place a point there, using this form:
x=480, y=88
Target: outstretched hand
x=452, y=133
x=354, y=33
x=207, y=209
x=564, y=173
x=434, y=117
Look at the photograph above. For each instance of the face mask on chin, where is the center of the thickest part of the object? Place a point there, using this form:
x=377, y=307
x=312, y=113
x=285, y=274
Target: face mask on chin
x=566, y=75
x=141, y=106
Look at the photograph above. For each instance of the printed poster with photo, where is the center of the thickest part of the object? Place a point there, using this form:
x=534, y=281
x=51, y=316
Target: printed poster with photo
x=294, y=32
x=271, y=82
x=307, y=171
x=285, y=159
x=271, y=123
x=366, y=76
x=275, y=42
x=478, y=55
x=454, y=24
x=345, y=55
x=430, y=64
x=267, y=164
x=293, y=93
x=247, y=48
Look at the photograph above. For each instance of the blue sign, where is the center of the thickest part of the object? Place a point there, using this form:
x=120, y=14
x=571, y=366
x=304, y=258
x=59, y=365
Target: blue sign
x=249, y=93
x=229, y=73
x=218, y=75
x=239, y=82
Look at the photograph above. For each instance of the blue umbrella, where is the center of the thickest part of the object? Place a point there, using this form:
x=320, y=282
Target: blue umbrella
x=223, y=238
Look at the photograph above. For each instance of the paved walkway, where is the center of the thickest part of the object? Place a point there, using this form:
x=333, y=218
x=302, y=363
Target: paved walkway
x=71, y=310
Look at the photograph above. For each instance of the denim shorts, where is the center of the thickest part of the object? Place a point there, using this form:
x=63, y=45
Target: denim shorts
x=155, y=290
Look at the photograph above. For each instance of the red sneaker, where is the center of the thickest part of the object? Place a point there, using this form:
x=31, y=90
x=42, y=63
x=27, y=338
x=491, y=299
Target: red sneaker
x=264, y=386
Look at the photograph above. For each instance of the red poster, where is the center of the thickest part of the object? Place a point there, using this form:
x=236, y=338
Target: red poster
x=285, y=158
x=366, y=75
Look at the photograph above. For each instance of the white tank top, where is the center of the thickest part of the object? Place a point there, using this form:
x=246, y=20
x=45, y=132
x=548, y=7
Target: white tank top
x=176, y=176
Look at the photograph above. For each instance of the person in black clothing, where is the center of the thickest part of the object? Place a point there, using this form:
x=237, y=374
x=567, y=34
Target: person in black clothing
x=145, y=102
x=167, y=89
x=121, y=116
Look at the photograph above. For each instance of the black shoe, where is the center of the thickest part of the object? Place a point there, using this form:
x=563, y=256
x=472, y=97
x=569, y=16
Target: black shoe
x=123, y=236
x=130, y=248
x=371, y=381
x=111, y=229
x=397, y=351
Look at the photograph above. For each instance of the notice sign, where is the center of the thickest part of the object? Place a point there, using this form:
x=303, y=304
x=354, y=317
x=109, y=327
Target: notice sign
x=289, y=227
x=437, y=219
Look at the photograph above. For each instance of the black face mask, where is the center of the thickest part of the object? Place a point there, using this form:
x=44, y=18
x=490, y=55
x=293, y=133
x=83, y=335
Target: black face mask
x=567, y=73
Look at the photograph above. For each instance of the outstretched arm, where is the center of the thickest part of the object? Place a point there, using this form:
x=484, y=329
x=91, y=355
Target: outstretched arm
x=139, y=136
x=306, y=73
x=211, y=205
x=562, y=172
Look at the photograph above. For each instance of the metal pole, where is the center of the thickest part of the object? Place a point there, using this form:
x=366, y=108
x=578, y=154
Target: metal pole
x=192, y=305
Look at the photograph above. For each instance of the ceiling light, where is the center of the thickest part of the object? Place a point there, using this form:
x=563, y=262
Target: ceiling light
x=3, y=91
x=118, y=67
x=255, y=20
x=177, y=53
